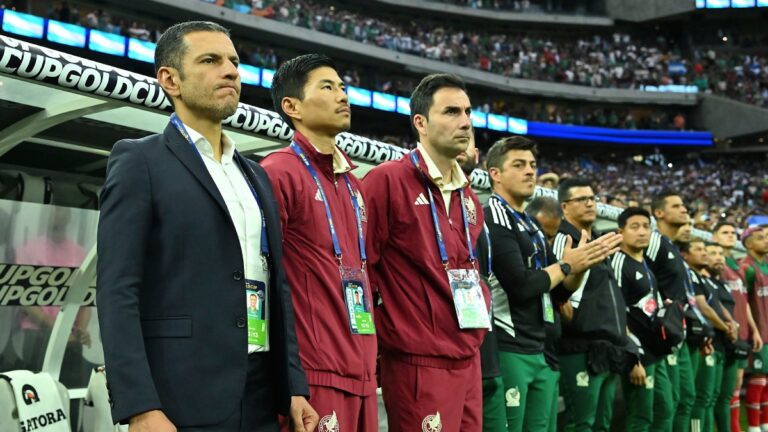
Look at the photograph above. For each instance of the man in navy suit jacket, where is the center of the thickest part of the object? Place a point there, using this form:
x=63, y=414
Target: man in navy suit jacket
x=185, y=222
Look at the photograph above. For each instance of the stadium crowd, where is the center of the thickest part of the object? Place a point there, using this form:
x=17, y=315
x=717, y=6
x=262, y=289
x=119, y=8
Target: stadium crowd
x=616, y=60
x=580, y=7
x=740, y=182
x=632, y=180
x=266, y=55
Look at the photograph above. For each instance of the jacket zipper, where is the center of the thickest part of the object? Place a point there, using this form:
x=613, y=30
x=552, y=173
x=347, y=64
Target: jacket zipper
x=615, y=308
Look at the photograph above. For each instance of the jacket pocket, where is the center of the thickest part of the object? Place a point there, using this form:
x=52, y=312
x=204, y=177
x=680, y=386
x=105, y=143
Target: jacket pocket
x=169, y=327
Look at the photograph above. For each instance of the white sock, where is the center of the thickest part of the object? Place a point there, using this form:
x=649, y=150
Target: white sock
x=754, y=429
x=764, y=427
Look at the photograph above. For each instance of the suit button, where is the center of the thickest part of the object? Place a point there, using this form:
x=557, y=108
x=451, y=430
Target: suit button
x=237, y=275
x=241, y=322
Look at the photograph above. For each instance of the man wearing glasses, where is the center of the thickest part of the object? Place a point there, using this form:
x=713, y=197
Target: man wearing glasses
x=594, y=347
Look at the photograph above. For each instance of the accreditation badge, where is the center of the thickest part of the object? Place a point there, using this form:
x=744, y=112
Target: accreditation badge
x=468, y=298
x=256, y=301
x=354, y=284
x=549, y=310
x=648, y=305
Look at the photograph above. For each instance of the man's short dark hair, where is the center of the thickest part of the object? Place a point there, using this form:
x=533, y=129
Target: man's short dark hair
x=422, y=97
x=659, y=200
x=564, y=190
x=498, y=151
x=171, y=46
x=545, y=205
x=292, y=76
x=685, y=246
x=722, y=224
x=632, y=211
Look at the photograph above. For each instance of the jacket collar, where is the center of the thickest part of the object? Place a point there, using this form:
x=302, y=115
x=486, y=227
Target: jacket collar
x=329, y=165
x=191, y=159
x=458, y=178
x=575, y=233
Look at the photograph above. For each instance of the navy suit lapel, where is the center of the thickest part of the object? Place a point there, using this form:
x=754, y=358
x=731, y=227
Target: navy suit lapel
x=189, y=156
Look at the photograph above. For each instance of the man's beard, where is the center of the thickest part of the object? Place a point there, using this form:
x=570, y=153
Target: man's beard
x=222, y=112
x=212, y=111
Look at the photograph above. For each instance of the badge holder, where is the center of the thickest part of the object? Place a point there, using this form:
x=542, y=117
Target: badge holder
x=549, y=310
x=539, y=258
x=468, y=298
x=256, y=296
x=255, y=291
x=354, y=284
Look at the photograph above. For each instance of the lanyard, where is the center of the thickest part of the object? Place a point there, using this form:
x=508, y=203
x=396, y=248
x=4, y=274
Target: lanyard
x=438, y=231
x=689, y=282
x=539, y=242
x=689, y=288
x=355, y=204
x=264, y=240
x=488, y=242
x=651, y=279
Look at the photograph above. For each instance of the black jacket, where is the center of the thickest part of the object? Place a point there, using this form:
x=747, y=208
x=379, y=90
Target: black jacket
x=599, y=310
x=489, y=350
x=170, y=288
x=517, y=293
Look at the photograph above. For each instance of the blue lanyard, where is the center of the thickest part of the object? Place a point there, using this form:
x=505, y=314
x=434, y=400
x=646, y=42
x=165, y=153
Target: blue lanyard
x=651, y=278
x=689, y=282
x=540, y=243
x=264, y=240
x=355, y=204
x=689, y=288
x=438, y=231
x=488, y=242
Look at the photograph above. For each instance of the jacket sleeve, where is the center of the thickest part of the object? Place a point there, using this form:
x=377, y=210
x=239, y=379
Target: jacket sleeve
x=508, y=264
x=282, y=187
x=376, y=190
x=125, y=223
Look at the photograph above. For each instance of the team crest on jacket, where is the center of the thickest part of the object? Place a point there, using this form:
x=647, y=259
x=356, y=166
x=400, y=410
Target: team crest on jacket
x=432, y=423
x=329, y=423
x=471, y=210
x=361, y=203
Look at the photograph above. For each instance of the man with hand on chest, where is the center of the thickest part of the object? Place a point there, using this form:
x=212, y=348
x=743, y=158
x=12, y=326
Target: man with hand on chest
x=707, y=361
x=527, y=279
x=594, y=347
x=647, y=388
x=724, y=234
x=668, y=266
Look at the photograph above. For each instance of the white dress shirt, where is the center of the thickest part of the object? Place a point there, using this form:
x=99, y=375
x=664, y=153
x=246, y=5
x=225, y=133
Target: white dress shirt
x=243, y=209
